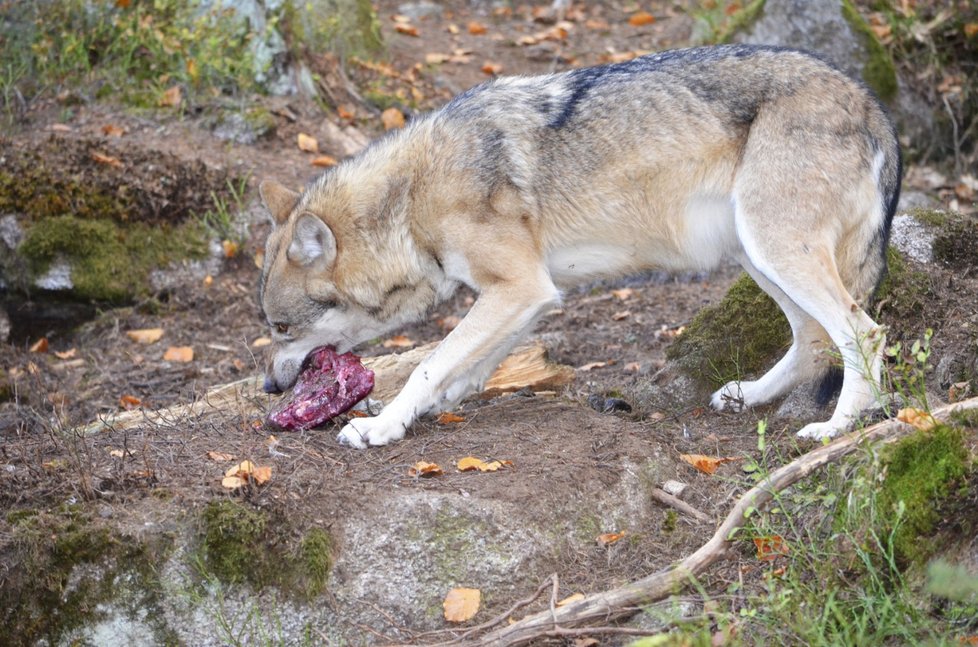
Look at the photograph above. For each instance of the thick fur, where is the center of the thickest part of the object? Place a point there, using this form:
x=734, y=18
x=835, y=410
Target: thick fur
x=522, y=186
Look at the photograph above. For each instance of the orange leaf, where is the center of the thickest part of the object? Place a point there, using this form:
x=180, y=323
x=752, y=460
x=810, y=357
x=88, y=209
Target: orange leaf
x=67, y=354
x=324, y=161
x=469, y=464
x=608, y=538
x=129, y=402
x=705, y=464
x=101, y=158
x=230, y=248
x=917, y=417
x=392, y=118
x=621, y=314
x=145, y=335
x=423, y=469
x=492, y=68
x=971, y=30
x=243, y=469
x=476, y=29
x=769, y=548
x=345, y=112
x=406, y=29
x=435, y=58
x=399, y=341
x=40, y=346
x=623, y=293
x=179, y=354
x=261, y=342
x=641, y=18
x=447, y=418
x=306, y=143
x=232, y=482
x=111, y=130
x=220, y=457
x=172, y=97
x=461, y=604
x=261, y=475
x=569, y=599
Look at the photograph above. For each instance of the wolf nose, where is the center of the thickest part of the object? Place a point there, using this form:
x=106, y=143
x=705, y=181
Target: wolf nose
x=271, y=386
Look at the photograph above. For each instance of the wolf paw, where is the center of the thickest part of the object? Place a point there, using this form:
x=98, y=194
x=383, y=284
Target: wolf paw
x=821, y=430
x=361, y=432
x=729, y=398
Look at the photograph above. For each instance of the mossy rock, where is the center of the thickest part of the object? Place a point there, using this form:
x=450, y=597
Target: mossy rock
x=879, y=70
x=956, y=244
x=740, y=336
x=243, y=545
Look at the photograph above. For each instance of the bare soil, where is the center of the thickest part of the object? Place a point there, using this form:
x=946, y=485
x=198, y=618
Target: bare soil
x=561, y=447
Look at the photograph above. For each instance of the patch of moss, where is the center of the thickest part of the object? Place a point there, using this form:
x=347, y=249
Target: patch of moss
x=741, y=335
x=241, y=545
x=33, y=190
x=956, y=243
x=343, y=27
x=923, y=474
x=879, y=72
x=109, y=262
x=740, y=20
x=904, y=292
x=63, y=567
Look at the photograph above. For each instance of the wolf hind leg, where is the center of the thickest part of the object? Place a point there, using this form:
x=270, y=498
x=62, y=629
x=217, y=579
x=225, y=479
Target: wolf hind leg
x=804, y=360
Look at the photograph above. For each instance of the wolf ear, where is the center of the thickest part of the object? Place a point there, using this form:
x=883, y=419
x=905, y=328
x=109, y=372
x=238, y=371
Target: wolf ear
x=278, y=199
x=312, y=241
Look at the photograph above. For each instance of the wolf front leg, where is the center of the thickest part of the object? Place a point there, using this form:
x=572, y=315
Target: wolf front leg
x=460, y=364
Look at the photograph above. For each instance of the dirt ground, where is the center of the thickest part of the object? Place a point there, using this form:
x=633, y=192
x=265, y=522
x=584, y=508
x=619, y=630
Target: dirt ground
x=561, y=447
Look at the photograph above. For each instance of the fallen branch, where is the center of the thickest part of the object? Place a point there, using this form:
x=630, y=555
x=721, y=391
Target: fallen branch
x=622, y=602
x=665, y=498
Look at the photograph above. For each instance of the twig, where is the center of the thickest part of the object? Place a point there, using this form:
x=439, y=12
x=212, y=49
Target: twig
x=665, y=498
x=618, y=603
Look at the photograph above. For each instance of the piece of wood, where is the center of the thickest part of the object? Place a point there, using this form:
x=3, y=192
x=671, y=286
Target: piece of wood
x=622, y=602
x=665, y=498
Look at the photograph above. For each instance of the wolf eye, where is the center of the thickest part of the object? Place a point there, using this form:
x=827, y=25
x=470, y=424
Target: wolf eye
x=282, y=329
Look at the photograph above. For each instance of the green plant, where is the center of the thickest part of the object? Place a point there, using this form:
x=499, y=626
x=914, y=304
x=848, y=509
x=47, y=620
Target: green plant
x=222, y=220
x=906, y=374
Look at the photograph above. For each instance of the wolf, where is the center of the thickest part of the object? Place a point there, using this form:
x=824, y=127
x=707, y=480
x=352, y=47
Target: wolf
x=524, y=186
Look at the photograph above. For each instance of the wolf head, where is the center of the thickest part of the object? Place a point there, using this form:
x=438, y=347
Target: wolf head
x=340, y=269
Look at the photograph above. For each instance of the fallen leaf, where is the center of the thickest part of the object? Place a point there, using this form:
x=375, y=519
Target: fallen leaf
x=129, y=402
x=324, y=161
x=621, y=314
x=971, y=30
x=476, y=28
x=172, y=97
x=399, y=341
x=406, y=29
x=306, y=143
x=632, y=367
x=145, y=335
x=597, y=24
x=179, y=354
x=608, y=538
x=261, y=475
x=592, y=365
x=392, y=118
x=220, y=457
x=241, y=469
x=398, y=17
x=917, y=417
x=346, y=113
x=469, y=464
x=230, y=247
x=769, y=548
x=447, y=418
x=208, y=281
x=461, y=604
x=116, y=453
x=232, y=482
x=453, y=29
x=491, y=68
x=40, y=346
x=102, y=158
x=641, y=18
x=424, y=469
x=435, y=58
x=111, y=130
x=66, y=354
x=706, y=464
x=569, y=599
x=623, y=293
x=261, y=342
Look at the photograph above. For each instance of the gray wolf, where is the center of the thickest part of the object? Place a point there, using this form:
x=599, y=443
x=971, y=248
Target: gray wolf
x=520, y=187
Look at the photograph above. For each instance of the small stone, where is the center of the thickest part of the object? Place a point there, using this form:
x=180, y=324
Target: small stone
x=675, y=488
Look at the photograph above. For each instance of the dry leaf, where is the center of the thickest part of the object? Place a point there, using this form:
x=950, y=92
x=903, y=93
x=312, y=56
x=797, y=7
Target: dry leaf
x=232, y=482
x=324, y=161
x=592, y=365
x=491, y=68
x=261, y=475
x=116, y=453
x=435, y=58
x=447, y=418
x=220, y=457
x=67, y=354
x=461, y=604
x=399, y=341
x=469, y=464
x=632, y=367
x=111, y=130
x=917, y=417
x=406, y=29
x=129, y=402
x=453, y=29
x=40, y=346
x=261, y=342
x=243, y=469
x=705, y=464
x=621, y=314
x=306, y=143
x=641, y=18
x=346, y=112
x=172, y=97
x=769, y=548
x=179, y=354
x=476, y=28
x=608, y=538
x=971, y=29
x=392, y=118
x=102, y=158
x=424, y=469
x=230, y=247
x=145, y=335
x=569, y=599
x=623, y=293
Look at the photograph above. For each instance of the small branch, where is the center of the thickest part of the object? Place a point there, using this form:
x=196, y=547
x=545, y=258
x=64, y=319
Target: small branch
x=665, y=498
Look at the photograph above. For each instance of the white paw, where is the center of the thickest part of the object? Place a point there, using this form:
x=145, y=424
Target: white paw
x=728, y=398
x=361, y=432
x=821, y=430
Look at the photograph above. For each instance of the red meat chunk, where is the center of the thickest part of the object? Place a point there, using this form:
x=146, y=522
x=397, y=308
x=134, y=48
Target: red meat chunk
x=329, y=385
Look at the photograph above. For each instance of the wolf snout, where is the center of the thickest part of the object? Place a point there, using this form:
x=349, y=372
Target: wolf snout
x=271, y=386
